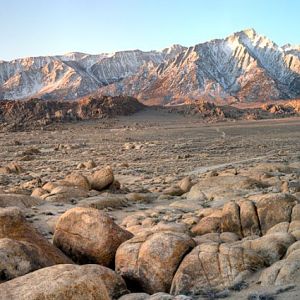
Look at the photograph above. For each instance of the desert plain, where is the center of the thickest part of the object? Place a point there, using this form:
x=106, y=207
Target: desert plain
x=181, y=188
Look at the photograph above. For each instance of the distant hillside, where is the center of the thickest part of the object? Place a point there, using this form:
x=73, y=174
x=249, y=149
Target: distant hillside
x=211, y=112
x=36, y=112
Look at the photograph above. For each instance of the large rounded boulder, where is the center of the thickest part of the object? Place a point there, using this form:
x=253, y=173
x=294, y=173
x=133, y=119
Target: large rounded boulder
x=211, y=267
x=78, y=180
x=247, y=218
x=18, y=200
x=66, y=282
x=88, y=235
x=285, y=271
x=273, y=209
x=210, y=223
x=18, y=258
x=22, y=248
x=149, y=261
x=101, y=179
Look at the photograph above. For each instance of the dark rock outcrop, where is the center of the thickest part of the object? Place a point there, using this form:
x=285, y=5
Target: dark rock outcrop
x=36, y=112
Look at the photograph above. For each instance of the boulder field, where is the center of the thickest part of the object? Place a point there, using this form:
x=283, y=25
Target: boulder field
x=220, y=234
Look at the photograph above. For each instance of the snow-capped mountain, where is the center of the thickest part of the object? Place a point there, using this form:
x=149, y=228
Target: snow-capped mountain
x=244, y=66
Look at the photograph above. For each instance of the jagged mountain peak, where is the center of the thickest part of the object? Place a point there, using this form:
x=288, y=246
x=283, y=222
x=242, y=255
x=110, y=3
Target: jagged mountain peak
x=250, y=32
x=75, y=55
x=173, y=48
x=291, y=48
x=251, y=36
x=245, y=66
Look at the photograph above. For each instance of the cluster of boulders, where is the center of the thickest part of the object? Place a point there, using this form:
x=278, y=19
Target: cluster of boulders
x=22, y=248
x=220, y=232
x=11, y=168
x=76, y=185
x=210, y=111
x=290, y=108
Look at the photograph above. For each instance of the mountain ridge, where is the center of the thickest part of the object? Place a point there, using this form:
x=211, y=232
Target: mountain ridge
x=244, y=66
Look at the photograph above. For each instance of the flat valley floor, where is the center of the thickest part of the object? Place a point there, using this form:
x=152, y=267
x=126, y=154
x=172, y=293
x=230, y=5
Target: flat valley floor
x=152, y=143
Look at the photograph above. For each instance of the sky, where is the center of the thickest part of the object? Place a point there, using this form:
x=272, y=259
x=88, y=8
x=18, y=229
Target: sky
x=50, y=27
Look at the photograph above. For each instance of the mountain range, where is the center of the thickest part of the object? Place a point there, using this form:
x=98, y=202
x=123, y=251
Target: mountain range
x=243, y=67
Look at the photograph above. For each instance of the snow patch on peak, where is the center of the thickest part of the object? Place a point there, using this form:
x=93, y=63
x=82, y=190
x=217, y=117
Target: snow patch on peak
x=250, y=32
x=173, y=48
x=242, y=65
x=73, y=56
x=289, y=47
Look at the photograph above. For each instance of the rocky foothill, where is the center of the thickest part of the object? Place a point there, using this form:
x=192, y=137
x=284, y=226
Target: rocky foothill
x=37, y=113
x=150, y=209
x=211, y=112
x=33, y=113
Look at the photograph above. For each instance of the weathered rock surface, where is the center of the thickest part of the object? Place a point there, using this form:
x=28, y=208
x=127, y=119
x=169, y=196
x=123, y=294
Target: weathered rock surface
x=88, y=235
x=38, y=193
x=21, y=201
x=78, y=180
x=212, y=266
x=284, y=271
x=208, y=224
x=173, y=191
x=231, y=220
x=225, y=237
x=11, y=168
x=65, y=282
x=156, y=296
x=221, y=189
x=273, y=209
x=148, y=261
x=292, y=228
x=104, y=201
x=139, y=197
x=22, y=248
x=18, y=258
x=185, y=184
x=90, y=164
x=65, y=194
x=272, y=247
x=135, y=296
x=247, y=218
x=102, y=178
x=141, y=154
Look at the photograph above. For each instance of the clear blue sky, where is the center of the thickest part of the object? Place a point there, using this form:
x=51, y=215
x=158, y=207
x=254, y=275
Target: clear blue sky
x=48, y=27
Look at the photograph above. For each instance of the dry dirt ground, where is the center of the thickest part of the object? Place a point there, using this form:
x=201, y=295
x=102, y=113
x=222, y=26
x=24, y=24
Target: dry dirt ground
x=148, y=152
x=155, y=144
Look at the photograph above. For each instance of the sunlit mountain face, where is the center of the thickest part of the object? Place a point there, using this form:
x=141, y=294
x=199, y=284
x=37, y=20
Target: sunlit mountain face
x=243, y=67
